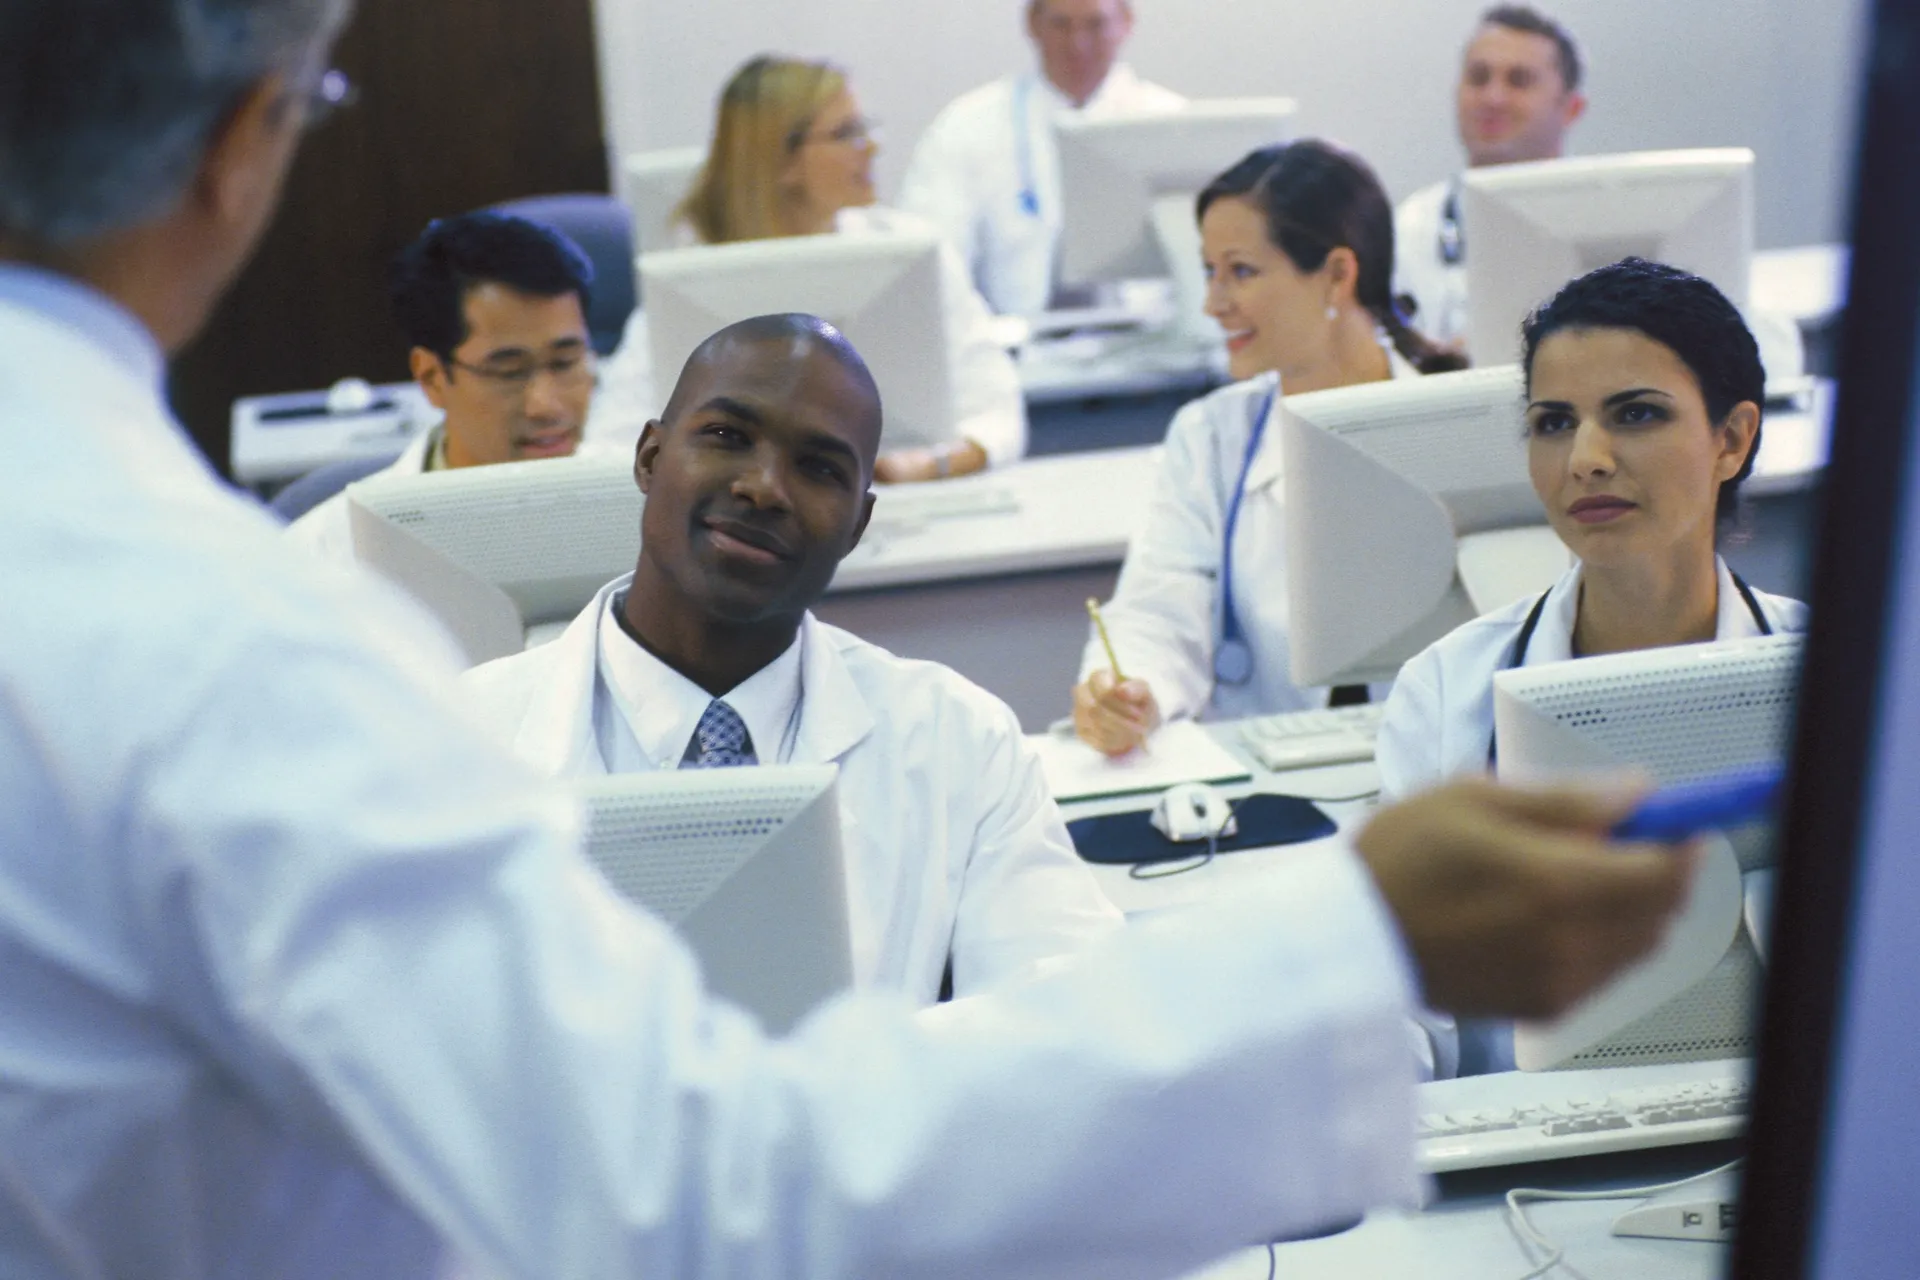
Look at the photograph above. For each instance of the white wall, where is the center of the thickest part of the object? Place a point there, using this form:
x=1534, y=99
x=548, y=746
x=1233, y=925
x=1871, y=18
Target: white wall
x=1775, y=75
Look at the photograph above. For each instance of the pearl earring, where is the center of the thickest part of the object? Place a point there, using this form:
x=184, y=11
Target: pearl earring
x=1333, y=312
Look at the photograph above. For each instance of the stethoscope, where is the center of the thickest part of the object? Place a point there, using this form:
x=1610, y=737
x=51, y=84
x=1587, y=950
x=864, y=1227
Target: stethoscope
x=1029, y=197
x=1517, y=656
x=1453, y=241
x=1233, y=656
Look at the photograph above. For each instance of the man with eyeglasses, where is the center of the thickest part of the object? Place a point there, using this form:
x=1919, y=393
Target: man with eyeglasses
x=495, y=309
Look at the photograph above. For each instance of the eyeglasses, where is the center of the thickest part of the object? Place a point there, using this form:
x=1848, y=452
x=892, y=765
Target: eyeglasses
x=857, y=132
x=514, y=377
x=330, y=93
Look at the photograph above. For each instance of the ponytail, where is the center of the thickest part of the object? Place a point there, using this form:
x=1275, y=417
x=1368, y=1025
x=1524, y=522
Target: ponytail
x=1415, y=347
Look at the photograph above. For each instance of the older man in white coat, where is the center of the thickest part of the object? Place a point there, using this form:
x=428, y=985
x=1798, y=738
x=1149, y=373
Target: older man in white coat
x=301, y=978
x=986, y=171
x=756, y=477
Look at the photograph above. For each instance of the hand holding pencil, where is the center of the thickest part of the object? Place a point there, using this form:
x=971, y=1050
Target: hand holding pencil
x=1111, y=713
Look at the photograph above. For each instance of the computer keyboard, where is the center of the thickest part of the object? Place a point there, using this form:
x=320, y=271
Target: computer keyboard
x=1657, y=1115
x=1301, y=739
x=913, y=506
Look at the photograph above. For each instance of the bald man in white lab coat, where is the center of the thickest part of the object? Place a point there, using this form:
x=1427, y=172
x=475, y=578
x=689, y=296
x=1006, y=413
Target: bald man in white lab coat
x=755, y=475
x=986, y=171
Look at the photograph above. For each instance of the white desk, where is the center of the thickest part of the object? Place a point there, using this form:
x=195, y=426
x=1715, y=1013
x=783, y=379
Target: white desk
x=1001, y=598
x=1462, y=1235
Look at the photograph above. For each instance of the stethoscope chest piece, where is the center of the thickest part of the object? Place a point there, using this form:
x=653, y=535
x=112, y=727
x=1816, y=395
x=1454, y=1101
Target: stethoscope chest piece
x=1233, y=661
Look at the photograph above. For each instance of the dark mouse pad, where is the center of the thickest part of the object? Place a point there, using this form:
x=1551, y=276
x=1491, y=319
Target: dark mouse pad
x=1264, y=821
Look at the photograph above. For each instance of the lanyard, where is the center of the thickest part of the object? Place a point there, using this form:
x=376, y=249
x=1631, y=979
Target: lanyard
x=1233, y=657
x=1029, y=197
x=1517, y=656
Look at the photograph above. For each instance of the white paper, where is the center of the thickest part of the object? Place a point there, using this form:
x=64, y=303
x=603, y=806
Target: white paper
x=1178, y=752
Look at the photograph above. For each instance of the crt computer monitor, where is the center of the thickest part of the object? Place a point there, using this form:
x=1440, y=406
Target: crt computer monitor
x=886, y=292
x=656, y=183
x=546, y=533
x=745, y=865
x=1408, y=512
x=1530, y=228
x=1679, y=714
x=1128, y=183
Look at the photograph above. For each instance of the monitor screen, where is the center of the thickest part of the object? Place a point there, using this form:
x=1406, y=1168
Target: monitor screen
x=1408, y=512
x=1530, y=228
x=745, y=864
x=656, y=183
x=549, y=533
x=885, y=291
x=1681, y=714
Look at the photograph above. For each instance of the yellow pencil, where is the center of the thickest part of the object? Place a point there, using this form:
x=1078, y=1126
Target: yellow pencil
x=1100, y=625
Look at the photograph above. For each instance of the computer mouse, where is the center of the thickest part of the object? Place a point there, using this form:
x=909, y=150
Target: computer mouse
x=1193, y=811
x=350, y=395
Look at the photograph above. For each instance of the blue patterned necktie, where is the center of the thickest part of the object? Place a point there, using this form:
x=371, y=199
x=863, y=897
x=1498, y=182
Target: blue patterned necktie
x=720, y=740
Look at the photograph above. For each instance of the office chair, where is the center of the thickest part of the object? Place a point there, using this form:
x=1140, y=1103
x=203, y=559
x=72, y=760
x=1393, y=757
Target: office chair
x=603, y=228
x=321, y=483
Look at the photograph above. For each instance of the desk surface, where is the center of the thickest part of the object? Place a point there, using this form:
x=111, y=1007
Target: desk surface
x=1463, y=1234
x=1060, y=512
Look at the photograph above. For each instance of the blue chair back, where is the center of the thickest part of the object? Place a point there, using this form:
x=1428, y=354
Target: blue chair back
x=603, y=228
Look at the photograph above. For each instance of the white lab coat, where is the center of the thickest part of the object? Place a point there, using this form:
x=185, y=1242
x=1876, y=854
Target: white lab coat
x=1439, y=718
x=988, y=406
x=1165, y=615
x=1439, y=288
x=989, y=148
x=953, y=846
x=303, y=977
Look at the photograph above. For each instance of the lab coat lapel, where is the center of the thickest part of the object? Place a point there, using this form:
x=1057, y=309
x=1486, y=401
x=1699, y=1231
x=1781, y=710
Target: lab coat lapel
x=556, y=736
x=835, y=717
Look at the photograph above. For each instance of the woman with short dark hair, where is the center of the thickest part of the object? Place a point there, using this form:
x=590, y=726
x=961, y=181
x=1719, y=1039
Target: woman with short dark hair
x=1644, y=394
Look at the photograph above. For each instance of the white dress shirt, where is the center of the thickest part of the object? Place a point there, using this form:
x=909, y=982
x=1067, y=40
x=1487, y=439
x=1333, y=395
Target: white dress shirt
x=645, y=712
x=989, y=407
x=987, y=172
x=1439, y=719
x=303, y=978
x=954, y=848
x=1165, y=615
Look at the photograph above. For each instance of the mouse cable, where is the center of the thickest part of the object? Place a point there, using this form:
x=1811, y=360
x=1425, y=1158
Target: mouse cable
x=1555, y=1255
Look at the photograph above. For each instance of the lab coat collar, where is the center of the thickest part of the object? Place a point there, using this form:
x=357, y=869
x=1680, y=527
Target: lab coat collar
x=1553, y=639
x=556, y=735
x=90, y=314
x=836, y=717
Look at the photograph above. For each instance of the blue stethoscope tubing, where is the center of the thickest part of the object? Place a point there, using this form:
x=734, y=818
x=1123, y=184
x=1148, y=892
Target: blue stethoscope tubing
x=1233, y=656
x=1029, y=197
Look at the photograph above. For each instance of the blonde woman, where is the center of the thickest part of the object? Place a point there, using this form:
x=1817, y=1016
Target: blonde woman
x=792, y=155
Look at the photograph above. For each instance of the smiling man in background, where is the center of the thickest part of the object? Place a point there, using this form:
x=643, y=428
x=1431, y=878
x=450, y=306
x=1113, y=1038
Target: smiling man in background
x=1518, y=95
x=495, y=309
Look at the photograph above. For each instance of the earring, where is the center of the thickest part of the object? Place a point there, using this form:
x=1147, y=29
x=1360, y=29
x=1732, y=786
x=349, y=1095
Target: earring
x=1333, y=312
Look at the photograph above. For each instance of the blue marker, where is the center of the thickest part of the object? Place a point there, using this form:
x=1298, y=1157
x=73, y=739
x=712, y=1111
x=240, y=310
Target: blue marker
x=1726, y=800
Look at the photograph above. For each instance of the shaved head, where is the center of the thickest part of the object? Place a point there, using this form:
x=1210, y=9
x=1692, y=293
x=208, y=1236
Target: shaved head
x=803, y=336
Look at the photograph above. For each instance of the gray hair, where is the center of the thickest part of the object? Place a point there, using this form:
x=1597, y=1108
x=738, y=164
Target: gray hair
x=106, y=106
